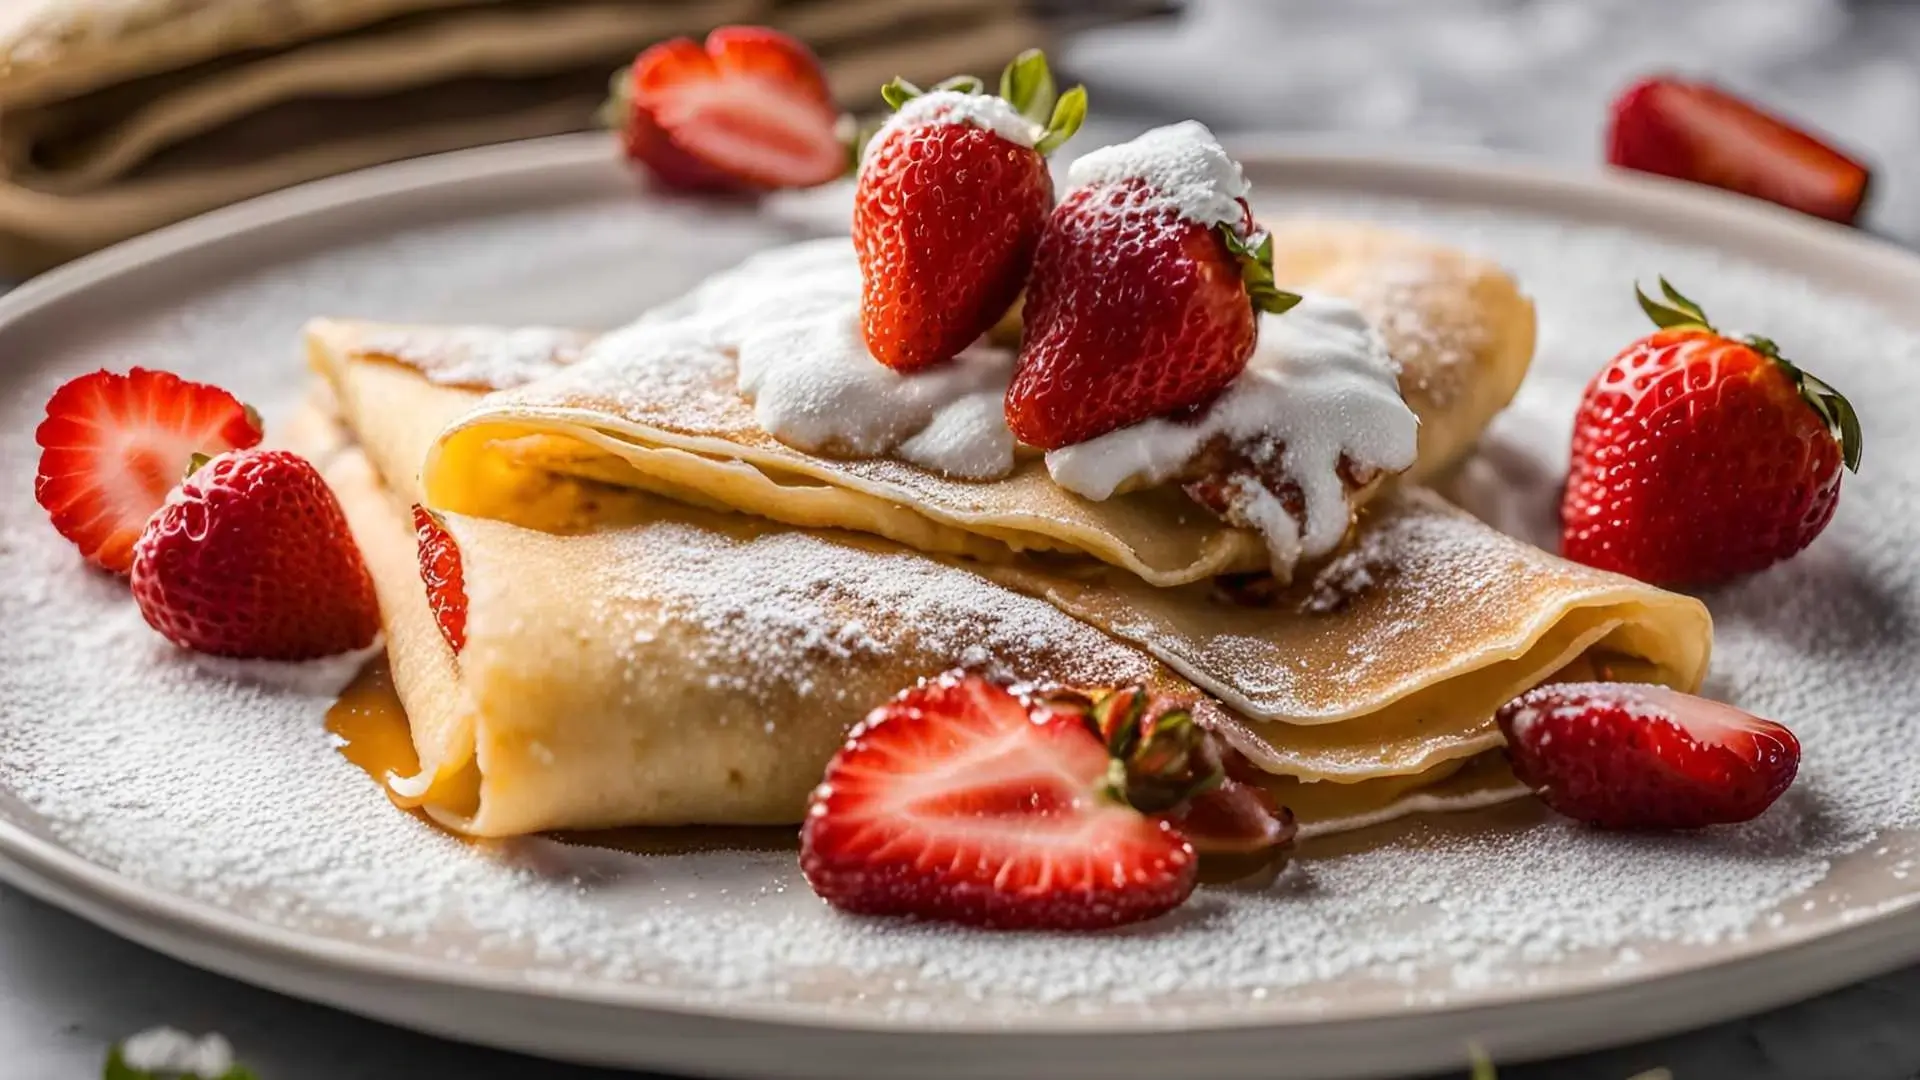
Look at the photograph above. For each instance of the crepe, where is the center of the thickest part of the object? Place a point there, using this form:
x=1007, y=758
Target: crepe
x=120, y=115
x=651, y=663
x=656, y=406
x=1366, y=691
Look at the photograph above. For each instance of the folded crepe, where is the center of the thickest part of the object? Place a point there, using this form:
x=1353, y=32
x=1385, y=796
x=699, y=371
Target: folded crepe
x=653, y=663
x=1365, y=690
x=117, y=116
x=659, y=405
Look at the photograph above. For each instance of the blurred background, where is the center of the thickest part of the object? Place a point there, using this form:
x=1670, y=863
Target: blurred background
x=118, y=116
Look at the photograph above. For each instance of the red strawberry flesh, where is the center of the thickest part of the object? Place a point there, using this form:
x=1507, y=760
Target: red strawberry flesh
x=1628, y=756
x=1695, y=131
x=444, y=575
x=958, y=802
x=114, y=445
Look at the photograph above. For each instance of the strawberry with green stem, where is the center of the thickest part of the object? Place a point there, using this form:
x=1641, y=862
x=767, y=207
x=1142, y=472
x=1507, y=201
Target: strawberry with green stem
x=1146, y=291
x=1699, y=457
x=953, y=193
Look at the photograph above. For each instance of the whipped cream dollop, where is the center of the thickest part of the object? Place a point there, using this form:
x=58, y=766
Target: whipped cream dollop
x=1320, y=390
x=791, y=319
x=1183, y=163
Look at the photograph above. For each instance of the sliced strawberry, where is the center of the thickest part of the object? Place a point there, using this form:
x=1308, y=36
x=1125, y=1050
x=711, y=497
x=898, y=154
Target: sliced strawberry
x=445, y=577
x=959, y=801
x=251, y=557
x=114, y=445
x=750, y=110
x=1628, y=756
x=1695, y=131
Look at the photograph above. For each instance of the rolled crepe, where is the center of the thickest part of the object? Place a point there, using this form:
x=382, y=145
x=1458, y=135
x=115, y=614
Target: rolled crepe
x=658, y=406
x=652, y=663
x=1367, y=690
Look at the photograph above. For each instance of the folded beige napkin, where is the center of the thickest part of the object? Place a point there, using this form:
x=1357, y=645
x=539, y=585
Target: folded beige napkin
x=117, y=116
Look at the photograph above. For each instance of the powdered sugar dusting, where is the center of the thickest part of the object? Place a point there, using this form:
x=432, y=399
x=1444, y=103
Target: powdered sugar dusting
x=480, y=358
x=1182, y=162
x=986, y=111
x=772, y=608
x=229, y=792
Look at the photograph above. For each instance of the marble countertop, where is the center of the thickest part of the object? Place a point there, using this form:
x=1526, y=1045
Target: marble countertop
x=1527, y=75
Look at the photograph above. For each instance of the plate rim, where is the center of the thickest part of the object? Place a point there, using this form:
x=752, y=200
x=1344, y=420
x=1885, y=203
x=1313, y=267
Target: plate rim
x=1875, y=269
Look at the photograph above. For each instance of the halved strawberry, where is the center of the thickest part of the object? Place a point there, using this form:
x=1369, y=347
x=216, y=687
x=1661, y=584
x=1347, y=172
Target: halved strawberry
x=1699, y=132
x=747, y=111
x=445, y=577
x=113, y=446
x=960, y=801
x=1629, y=756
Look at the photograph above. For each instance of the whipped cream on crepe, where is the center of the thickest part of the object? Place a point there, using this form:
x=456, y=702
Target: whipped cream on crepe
x=791, y=319
x=1319, y=390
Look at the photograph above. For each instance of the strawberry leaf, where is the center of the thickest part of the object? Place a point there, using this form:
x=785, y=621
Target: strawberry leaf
x=118, y=1069
x=1679, y=313
x=961, y=84
x=1116, y=719
x=1027, y=84
x=899, y=92
x=1681, y=303
x=1254, y=253
x=613, y=111
x=1838, y=413
x=857, y=134
x=1068, y=114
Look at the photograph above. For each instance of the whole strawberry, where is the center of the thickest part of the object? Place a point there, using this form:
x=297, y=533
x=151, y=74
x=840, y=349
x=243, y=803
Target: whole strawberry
x=952, y=196
x=1144, y=290
x=1698, y=457
x=1626, y=756
x=748, y=110
x=251, y=557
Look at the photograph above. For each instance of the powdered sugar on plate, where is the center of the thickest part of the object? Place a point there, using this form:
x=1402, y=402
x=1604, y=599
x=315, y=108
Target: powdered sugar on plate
x=230, y=792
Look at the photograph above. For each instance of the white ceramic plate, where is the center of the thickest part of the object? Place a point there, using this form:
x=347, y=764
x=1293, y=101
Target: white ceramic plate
x=232, y=838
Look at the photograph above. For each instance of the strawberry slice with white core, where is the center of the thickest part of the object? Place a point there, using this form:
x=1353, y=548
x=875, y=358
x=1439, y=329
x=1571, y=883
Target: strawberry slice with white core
x=749, y=109
x=1630, y=756
x=113, y=446
x=960, y=801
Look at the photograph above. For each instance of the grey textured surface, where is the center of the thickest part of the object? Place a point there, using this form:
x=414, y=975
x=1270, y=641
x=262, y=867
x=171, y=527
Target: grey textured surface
x=1530, y=75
